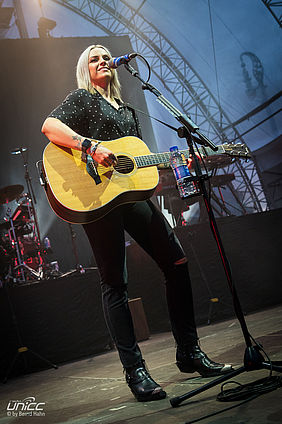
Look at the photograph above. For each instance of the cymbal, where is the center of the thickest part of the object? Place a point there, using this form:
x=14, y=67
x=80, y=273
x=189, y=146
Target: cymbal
x=9, y=193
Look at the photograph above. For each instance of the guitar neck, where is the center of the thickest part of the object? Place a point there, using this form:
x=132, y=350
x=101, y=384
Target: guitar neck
x=155, y=159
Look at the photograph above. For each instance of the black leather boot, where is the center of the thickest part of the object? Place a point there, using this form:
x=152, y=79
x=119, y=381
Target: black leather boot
x=143, y=387
x=192, y=359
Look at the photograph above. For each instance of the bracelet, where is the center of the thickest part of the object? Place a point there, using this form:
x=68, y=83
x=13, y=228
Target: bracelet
x=87, y=148
x=93, y=148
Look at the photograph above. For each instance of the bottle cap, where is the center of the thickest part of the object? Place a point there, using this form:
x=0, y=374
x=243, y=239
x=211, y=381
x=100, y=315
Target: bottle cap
x=173, y=148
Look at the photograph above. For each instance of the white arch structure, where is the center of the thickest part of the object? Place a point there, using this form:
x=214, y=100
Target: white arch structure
x=116, y=17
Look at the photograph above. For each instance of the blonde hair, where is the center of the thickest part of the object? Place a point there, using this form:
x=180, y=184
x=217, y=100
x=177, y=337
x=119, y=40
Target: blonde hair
x=83, y=75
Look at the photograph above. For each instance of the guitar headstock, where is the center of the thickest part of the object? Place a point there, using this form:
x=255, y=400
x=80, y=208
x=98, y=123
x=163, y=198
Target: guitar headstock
x=239, y=150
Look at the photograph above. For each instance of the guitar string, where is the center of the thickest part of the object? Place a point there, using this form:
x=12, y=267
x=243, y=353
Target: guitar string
x=156, y=157
x=162, y=157
x=145, y=160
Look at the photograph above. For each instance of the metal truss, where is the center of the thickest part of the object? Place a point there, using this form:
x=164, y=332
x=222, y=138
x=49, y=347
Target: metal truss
x=116, y=17
x=273, y=7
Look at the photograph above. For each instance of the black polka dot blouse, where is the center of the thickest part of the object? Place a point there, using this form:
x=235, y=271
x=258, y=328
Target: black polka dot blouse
x=91, y=116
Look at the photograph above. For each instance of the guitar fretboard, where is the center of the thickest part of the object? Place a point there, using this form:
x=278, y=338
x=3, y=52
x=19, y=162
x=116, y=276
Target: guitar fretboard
x=155, y=159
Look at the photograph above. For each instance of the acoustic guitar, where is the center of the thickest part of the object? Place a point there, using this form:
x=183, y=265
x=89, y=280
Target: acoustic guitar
x=76, y=196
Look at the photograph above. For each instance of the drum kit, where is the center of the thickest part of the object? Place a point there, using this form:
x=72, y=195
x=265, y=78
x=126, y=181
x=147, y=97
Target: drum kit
x=22, y=256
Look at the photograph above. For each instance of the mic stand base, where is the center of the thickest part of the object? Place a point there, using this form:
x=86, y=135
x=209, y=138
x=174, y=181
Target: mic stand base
x=78, y=267
x=253, y=360
x=25, y=350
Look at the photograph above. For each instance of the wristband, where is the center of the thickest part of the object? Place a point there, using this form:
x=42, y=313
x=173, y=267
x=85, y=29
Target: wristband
x=84, y=147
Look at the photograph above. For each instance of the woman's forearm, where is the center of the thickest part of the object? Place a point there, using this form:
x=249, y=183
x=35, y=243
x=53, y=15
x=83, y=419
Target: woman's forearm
x=59, y=133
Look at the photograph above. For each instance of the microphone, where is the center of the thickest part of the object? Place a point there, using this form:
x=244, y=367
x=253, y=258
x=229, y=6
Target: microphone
x=121, y=60
x=18, y=150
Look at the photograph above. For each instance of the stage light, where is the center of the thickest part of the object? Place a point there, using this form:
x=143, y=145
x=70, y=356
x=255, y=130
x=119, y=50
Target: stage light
x=6, y=14
x=45, y=25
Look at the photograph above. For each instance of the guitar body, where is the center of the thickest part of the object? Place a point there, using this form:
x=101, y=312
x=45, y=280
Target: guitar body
x=72, y=192
x=74, y=195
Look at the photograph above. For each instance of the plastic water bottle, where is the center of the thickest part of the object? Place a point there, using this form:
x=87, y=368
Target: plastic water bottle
x=46, y=242
x=184, y=180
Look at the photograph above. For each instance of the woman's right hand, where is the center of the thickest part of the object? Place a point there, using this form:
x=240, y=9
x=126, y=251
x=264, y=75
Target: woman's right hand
x=104, y=156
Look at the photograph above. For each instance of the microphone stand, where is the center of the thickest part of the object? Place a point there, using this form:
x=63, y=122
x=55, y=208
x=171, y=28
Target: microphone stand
x=31, y=196
x=78, y=267
x=253, y=359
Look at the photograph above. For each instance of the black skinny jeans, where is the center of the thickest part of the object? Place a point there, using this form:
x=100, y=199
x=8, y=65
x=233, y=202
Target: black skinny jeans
x=148, y=227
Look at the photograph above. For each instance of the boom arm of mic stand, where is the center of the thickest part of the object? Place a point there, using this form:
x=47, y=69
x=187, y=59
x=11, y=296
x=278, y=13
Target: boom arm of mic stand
x=182, y=118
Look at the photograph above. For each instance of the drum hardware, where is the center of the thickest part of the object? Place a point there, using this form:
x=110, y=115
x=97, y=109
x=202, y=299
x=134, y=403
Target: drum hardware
x=13, y=251
x=23, y=269
x=19, y=261
x=24, y=258
x=4, y=225
x=6, y=254
x=18, y=246
x=22, y=230
x=27, y=261
x=9, y=193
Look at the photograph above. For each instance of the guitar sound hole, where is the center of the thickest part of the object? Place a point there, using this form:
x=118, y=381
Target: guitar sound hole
x=125, y=165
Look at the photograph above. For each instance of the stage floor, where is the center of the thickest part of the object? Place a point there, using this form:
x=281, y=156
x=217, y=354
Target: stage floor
x=93, y=390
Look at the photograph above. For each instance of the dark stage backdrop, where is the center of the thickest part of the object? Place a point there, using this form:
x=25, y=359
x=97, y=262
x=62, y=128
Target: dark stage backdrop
x=63, y=320
x=35, y=76
x=268, y=160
